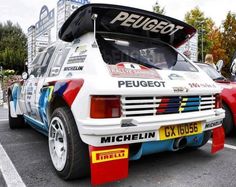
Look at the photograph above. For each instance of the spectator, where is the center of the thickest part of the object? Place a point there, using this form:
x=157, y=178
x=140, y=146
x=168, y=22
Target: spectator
x=233, y=70
x=209, y=60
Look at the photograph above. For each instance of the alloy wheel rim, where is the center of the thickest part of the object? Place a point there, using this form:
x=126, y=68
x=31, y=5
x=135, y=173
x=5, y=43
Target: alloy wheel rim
x=57, y=143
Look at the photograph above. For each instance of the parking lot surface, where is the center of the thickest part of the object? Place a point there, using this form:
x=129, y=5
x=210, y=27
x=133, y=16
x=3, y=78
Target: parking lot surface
x=28, y=151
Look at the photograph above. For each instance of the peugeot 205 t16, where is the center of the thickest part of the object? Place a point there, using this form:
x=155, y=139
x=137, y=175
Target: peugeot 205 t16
x=114, y=90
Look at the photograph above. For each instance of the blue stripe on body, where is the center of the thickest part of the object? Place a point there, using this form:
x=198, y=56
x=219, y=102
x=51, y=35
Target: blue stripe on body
x=185, y=109
x=191, y=104
x=193, y=99
x=15, y=92
x=148, y=148
x=39, y=126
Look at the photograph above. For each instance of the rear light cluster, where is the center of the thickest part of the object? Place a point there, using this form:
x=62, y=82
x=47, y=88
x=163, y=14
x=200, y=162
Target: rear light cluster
x=105, y=107
x=218, y=101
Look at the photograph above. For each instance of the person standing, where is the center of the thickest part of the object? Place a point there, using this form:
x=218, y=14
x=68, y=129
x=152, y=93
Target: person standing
x=209, y=60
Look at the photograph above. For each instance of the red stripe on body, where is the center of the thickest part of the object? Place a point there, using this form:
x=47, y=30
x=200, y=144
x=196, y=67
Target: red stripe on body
x=72, y=90
x=163, y=106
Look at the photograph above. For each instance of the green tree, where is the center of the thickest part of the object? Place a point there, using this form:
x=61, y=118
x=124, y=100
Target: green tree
x=217, y=50
x=229, y=38
x=12, y=47
x=158, y=9
x=204, y=26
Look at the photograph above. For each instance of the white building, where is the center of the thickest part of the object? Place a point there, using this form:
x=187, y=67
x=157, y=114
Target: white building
x=45, y=31
x=191, y=47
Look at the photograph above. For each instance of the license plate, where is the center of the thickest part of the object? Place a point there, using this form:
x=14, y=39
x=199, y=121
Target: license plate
x=175, y=131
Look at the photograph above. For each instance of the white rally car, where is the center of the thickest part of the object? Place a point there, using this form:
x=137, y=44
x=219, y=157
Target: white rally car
x=114, y=90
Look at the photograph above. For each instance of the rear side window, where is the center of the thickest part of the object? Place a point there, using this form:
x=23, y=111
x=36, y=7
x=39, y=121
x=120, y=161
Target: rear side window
x=152, y=54
x=59, y=61
x=34, y=68
x=40, y=64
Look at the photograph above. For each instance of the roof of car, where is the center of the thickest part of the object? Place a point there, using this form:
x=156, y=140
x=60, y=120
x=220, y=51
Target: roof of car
x=125, y=20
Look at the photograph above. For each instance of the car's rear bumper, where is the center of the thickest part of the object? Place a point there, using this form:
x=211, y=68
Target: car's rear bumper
x=117, y=131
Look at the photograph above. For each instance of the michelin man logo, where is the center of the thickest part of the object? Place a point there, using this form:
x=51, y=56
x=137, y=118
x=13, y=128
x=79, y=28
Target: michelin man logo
x=147, y=24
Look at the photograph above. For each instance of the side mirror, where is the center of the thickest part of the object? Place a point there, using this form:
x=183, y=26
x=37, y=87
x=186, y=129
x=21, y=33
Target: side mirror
x=24, y=75
x=219, y=65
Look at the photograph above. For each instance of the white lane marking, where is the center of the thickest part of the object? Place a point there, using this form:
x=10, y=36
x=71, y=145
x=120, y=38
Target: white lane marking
x=9, y=172
x=225, y=145
x=3, y=120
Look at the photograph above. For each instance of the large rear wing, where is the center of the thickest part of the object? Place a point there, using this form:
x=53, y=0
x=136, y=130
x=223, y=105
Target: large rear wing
x=125, y=20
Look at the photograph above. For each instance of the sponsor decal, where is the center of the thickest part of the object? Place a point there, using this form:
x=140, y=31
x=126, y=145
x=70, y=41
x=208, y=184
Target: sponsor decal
x=128, y=137
x=180, y=89
x=213, y=124
x=192, y=76
x=201, y=85
x=109, y=155
x=136, y=21
x=175, y=77
x=74, y=68
x=142, y=84
x=82, y=50
x=131, y=70
x=77, y=59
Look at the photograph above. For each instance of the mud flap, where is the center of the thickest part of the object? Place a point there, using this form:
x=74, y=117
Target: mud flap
x=108, y=163
x=218, y=139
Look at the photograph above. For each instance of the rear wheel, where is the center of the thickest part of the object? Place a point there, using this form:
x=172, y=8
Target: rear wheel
x=228, y=120
x=14, y=122
x=68, y=153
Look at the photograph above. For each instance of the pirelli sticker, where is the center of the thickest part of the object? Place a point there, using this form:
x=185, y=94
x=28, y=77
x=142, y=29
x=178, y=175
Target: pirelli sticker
x=109, y=155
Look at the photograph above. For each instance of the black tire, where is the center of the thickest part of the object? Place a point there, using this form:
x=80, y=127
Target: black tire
x=77, y=159
x=15, y=123
x=228, y=120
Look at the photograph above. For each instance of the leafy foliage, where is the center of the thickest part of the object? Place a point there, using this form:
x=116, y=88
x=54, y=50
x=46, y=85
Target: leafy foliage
x=158, y=9
x=12, y=47
x=229, y=38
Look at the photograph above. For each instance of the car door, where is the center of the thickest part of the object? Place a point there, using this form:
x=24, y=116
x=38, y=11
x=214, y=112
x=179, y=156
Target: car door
x=35, y=82
x=30, y=86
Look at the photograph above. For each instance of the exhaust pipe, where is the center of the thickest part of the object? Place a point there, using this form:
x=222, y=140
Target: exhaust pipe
x=179, y=143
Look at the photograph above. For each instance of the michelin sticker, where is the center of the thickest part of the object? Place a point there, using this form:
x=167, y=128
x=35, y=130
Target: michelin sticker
x=74, y=68
x=129, y=137
x=146, y=23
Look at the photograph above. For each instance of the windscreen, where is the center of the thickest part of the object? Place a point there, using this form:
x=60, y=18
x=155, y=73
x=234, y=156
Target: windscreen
x=152, y=54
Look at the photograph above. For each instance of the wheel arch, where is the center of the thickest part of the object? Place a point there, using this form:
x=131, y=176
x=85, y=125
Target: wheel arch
x=56, y=102
x=63, y=93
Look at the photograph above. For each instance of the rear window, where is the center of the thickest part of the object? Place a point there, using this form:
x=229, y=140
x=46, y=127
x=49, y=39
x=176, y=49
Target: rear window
x=152, y=54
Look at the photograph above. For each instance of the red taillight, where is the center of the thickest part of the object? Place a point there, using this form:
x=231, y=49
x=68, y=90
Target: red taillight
x=218, y=101
x=105, y=107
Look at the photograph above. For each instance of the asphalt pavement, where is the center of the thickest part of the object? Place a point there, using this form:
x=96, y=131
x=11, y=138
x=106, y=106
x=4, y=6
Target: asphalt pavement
x=28, y=151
